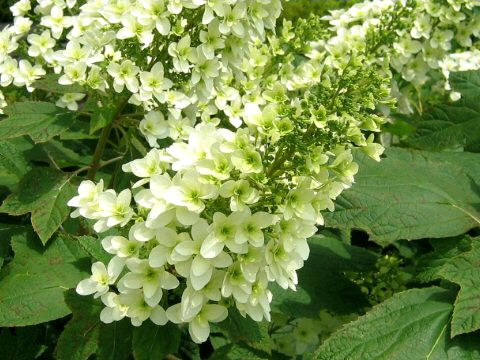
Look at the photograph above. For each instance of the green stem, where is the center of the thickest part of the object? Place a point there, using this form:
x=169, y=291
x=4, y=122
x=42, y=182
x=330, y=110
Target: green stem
x=97, y=156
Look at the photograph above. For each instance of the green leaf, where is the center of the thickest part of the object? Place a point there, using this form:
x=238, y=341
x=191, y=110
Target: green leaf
x=238, y=352
x=103, y=112
x=322, y=283
x=32, y=284
x=411, y=195
x=50, y=83
x=79, y=339
x=115, y=340
x=151, y=341
x=94, y=247
x=44, y=192
x=21, y=346
x=464, y=270
x=60, y=153
x=39, y=120
x=452, y=125
x=243, y=329
x=409, y=325
x=430, y=265
x=13, y=162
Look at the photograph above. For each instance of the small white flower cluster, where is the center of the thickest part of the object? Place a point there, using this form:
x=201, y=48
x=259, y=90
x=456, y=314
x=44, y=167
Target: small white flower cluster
x=436, y=38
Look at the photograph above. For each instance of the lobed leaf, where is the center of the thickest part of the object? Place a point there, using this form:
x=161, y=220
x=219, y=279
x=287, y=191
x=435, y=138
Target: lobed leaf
x=39, y=120
x=411, y=195
x=32, y=284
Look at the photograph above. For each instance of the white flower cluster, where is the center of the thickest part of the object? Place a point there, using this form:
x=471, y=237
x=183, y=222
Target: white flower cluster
x=110, y=45
x=435, y=38
x=213, y=223
x=262, y=143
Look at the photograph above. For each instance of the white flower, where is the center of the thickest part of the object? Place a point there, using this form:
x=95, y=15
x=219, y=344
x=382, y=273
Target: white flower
x=153, y=82
x=151, y=279
x=27, y=74
x=299, y=203
x=69, y=100
x=102, y=277
x=199, y=327
x=87, y=199
x=250, y=227
x=223, y=231
x=192, y=265
x=189, y=191
x=124, y=74
x=240, y=194
x=155, y=162
x=113, y=209
x=154, y=127
x=56, y=21
x=139, y=310
x=40, y=44
x=182, y=54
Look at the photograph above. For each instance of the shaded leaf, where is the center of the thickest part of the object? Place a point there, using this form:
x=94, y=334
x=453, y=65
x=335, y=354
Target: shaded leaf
x=449, y=126
x=151, y=341
x=430, y=265
x=94, y=247
x=79, y=339
x=22, y=345
x=115, y=340
x=238, y=352
x=244, y=329
x=322, y=283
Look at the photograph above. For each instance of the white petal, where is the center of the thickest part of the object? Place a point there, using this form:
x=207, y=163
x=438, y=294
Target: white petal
x=158, y=316
x=86, y=287
x=200, y=265
x=211, y=247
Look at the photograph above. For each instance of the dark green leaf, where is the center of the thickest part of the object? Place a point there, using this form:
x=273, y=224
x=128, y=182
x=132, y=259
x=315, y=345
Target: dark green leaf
x=22, y=345
x=39, y=120
x=409, y=325
x=103, y=112
x=151, y=341
x=244, y=329
x=32, y=284
x=79, y=339
x=13, y=162
x=322, y=284
x=411, y=195
x=44, y=192
x=115, y=341
x=464, y=270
